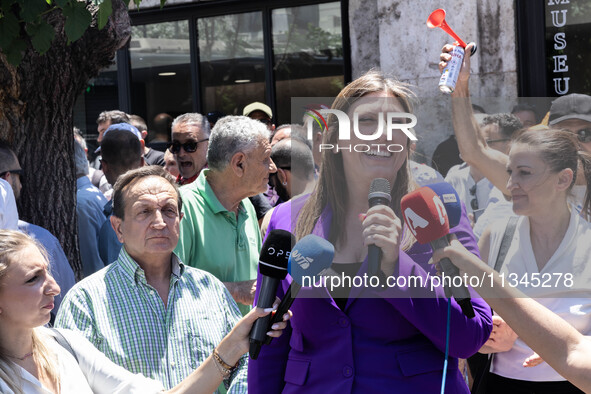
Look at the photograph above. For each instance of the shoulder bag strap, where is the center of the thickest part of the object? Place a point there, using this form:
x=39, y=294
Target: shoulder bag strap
x=61, y=339
x=484, y=365
x=506, y=242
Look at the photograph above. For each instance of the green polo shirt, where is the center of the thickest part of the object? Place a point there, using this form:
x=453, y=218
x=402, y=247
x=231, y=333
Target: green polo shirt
x=212, y=239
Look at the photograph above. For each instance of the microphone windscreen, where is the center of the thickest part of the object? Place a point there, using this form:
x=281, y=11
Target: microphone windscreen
x=275, y=253
x=310, y=256
x=449, y=196
x=380, y=188
x=425, y=215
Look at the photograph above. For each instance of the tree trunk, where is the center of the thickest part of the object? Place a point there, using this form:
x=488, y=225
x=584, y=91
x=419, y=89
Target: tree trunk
x=36, y=102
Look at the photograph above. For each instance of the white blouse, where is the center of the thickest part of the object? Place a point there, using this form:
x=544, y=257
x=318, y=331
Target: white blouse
x=93, y=373
x=563, y=286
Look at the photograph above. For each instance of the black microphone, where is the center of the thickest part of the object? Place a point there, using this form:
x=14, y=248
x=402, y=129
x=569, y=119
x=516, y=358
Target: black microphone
x=379, y=194
x=273, y=268
x=310, y=256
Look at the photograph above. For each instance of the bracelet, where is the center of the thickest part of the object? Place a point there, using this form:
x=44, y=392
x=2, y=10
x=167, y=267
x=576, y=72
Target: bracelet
x=224, y=368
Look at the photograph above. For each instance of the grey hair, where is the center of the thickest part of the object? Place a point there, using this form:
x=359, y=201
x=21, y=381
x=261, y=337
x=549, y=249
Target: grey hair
x=80, y=156
x=193, y=118
x=233, y=134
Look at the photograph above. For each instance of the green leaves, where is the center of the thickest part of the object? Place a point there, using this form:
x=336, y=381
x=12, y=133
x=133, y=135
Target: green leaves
x=14, y=52
x=31, y=9
x=77, y=19
x=9, y=30
x=41, y=35
x=104, y=12
x=22, y=21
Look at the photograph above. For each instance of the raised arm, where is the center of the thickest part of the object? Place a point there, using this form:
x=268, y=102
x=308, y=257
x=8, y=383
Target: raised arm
x=471, y=142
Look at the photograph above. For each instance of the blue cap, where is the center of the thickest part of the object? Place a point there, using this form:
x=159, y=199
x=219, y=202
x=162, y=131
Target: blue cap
x=121, y=126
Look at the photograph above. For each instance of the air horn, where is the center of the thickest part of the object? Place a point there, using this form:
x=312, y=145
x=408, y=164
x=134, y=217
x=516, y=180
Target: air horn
x=437, y=19
x=449, y=77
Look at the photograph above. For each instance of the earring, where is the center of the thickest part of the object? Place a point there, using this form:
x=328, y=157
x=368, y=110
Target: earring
x=284, y=183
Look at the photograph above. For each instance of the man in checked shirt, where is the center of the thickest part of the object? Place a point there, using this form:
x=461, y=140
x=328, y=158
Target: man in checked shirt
x=147, y=311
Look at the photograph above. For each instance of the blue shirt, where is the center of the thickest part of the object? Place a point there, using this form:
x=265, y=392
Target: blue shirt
x=89, y=208
x=109, y=245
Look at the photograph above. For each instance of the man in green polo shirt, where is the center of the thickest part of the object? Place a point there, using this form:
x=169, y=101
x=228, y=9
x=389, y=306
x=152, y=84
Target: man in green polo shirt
x=219, y=230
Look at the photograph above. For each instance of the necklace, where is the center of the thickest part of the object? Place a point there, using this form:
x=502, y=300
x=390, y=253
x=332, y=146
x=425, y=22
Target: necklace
x=23, y=358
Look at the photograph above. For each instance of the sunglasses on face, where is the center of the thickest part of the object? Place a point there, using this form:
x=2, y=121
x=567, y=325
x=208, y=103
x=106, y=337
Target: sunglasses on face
x=584, y=135
x=189, y=146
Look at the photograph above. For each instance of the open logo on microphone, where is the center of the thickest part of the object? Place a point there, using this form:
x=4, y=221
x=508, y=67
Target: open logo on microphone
x=372, y=119
x=303, y=261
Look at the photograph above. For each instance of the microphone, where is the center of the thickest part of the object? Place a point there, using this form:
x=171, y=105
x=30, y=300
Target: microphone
x=273, y=268
x=426, y=217
x=450, y=199
x=310, y=256
x=379, y=194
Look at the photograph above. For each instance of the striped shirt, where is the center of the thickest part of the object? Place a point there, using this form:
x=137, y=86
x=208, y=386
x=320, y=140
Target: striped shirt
x=125, y=318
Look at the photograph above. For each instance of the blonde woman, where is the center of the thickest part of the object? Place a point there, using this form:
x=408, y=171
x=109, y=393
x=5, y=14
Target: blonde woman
x=32, y=361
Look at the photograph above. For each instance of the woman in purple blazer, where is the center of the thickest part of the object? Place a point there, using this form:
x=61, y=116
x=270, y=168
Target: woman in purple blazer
x=359, y=340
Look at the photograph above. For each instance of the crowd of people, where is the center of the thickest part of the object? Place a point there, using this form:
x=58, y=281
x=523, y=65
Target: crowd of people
x=171, y=222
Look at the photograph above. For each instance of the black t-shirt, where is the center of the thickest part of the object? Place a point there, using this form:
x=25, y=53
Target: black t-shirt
x=154, y=158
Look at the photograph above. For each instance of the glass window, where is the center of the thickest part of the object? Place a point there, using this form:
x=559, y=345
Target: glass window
x=160, y=70
x=101, y=94
x=308, y=54
x=568, y=47
x=231, y=55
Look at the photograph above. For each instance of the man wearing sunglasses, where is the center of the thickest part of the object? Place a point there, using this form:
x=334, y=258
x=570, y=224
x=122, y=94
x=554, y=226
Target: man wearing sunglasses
x=190, y=135
x=573, y=112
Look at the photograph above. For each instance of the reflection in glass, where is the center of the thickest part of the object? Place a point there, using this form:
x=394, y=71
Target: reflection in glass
x=231, y=54
x=308, y=50
x=160, y=70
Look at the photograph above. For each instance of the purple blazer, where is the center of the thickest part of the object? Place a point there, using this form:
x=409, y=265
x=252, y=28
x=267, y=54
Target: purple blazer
x=393, y=343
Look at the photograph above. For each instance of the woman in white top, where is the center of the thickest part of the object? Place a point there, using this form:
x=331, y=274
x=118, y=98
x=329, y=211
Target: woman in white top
x=32, y=361
x=549, y=257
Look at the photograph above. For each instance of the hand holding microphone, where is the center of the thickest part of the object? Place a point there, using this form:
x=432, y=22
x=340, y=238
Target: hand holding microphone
x=381, y=229
x=427, y=219
x=310, y=256
x=273, y=268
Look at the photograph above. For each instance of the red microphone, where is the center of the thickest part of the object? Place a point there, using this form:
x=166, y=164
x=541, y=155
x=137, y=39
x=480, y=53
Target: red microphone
x=425, y=216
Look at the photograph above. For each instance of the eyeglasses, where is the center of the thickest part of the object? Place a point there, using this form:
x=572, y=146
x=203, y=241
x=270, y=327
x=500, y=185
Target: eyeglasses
x=474, y=201
x=18, y=172
x=265, y=121
x=584, y=135
x=189, y=146
x=498, y=140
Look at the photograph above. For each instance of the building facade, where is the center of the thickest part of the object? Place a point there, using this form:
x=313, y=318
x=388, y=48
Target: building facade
x=220, y=55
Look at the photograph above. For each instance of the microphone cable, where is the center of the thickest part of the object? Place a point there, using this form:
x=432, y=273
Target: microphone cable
x=446, y=346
